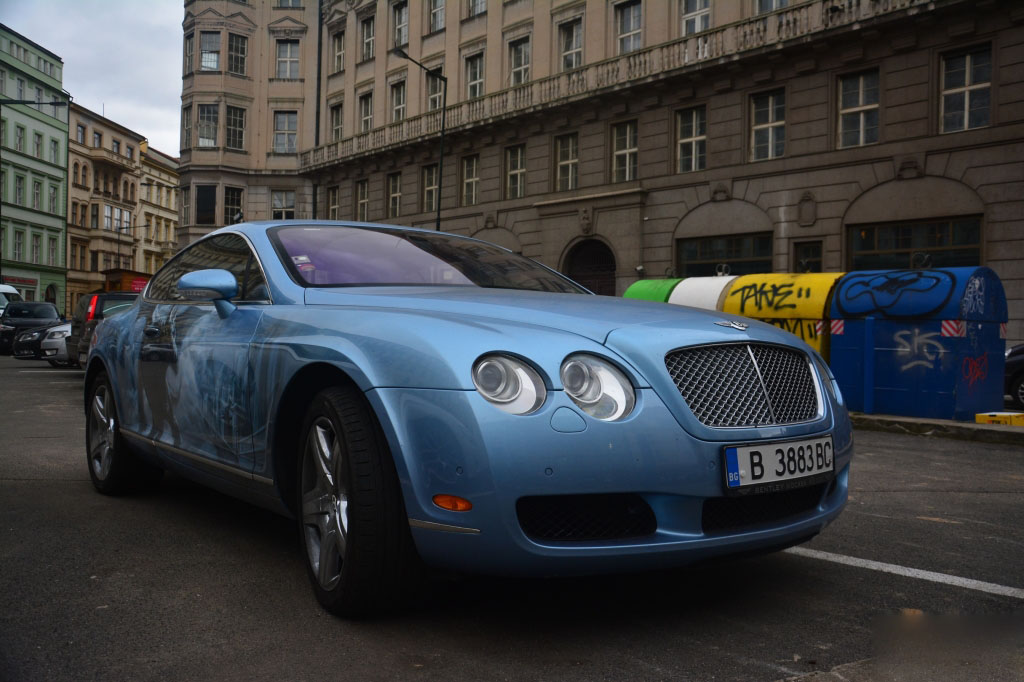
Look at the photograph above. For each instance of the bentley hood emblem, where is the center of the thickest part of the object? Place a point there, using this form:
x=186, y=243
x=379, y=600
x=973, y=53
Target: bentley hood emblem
x=741, y=326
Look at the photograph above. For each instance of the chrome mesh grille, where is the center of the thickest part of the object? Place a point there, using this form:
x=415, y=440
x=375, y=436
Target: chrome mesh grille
x=742, y=385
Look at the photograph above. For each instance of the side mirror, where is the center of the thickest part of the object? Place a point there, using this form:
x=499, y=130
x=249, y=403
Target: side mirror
x=218, y=286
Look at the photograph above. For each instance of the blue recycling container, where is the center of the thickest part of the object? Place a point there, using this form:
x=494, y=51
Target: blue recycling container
x=920, y=343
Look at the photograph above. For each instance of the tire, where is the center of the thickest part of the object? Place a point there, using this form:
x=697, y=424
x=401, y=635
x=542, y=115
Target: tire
x=352, y=522
x=114, y=470
x=57, y=363
x=1017, y=391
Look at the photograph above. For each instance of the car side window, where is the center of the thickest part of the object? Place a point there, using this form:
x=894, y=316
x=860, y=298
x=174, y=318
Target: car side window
x=224, y=252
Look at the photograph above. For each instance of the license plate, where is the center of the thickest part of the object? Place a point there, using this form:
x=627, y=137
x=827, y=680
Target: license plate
x=24, y=352
x=769, y=467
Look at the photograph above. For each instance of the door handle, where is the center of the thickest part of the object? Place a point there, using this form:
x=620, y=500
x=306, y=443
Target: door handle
x=151, y=331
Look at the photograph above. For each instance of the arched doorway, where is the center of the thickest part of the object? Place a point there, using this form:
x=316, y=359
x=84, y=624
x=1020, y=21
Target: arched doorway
x=51, y=294
x=592, y=264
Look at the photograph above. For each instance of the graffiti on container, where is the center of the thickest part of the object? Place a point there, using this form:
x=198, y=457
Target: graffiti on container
x=918, y=350
x=974, y=370
x=974, y=296
x=765, y=296
x=805, y=329
x=882, y=293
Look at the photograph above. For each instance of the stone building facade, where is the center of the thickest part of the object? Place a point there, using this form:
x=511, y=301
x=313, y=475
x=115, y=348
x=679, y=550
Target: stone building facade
x=156, y=229
x=617, y=139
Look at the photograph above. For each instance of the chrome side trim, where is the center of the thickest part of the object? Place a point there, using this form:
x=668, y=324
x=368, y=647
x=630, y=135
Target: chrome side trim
x=430, y=525
x=198, y=459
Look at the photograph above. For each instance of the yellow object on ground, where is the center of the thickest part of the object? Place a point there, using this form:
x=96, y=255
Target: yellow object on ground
x=1010, y=418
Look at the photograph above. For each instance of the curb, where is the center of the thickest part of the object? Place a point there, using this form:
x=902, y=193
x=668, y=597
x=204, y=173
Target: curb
x=940, y=428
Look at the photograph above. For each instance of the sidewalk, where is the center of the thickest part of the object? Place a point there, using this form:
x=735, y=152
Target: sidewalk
x=941, y=428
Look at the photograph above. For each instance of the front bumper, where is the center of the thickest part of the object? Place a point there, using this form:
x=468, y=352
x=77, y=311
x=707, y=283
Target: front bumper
x=454, y=442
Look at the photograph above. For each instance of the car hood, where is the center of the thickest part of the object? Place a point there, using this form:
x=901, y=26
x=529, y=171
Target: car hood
x=23, y=323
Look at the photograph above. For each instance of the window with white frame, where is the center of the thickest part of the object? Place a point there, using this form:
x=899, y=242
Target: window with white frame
x=188, y=54
x=52, y=199
x=768, y=129
x=475, y=7
x=238, y=49
x=37, y=194
x=19, y=138
x=338, y=48
x=282, y=204
x=19, y=245
x=286, y=126
x=394, y=195
x=54, y=150
x=519, y=61
x=209, y=51
x=397, y=101
x=332, y=202
x=696, y=16
x=232, y=205
x=400, y=22
x=567, y=160
x=430, y=188
x=37, y=247
x=366, y=29
x=235, y=128
x=208, y=125
x=470, y=180
x=435, y=90
x=629, y=25
x=858, y=109
x=51, y=251
x=336, y=122
x=475, y=76
x=770, y=5
x=570, y=43
x=366, y=112
x=691, y=139
x=967, y=89
x=625, y=151
x=515, y=172
x=19, y=190
x=436, y=19
x=362, y=200
x=288, y=59
x=186, y=127
x=37, y=145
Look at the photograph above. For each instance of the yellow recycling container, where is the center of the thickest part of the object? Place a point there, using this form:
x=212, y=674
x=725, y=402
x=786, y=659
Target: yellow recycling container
x=797, y=303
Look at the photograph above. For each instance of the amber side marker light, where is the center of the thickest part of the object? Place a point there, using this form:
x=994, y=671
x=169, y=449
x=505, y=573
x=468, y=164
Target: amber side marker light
x=452, y=503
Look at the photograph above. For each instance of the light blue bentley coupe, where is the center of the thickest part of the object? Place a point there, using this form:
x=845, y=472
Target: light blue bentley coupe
x=416, y=398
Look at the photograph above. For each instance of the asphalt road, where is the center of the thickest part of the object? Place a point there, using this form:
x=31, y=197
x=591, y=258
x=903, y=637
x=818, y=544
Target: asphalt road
x=184, y=583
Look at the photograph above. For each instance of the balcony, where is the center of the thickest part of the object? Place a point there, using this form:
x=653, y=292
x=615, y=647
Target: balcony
x=801, y=23
x=101, y=155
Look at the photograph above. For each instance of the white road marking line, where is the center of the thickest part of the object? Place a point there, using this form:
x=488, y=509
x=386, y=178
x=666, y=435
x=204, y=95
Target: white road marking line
x=943, y=578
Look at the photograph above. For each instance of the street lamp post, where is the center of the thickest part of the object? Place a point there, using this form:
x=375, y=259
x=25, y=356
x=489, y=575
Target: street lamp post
x=436, y=73
x=25, y=101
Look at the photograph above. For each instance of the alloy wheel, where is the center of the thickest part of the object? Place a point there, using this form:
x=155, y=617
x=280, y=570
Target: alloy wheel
x=102, y=428
x=324, y=502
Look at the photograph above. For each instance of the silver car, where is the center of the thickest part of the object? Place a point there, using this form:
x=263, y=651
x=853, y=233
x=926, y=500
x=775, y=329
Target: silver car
x=52, y=348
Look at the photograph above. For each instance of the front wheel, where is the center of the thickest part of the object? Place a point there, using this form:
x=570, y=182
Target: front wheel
x=112, y=467
x=1017, y=391
x=360, y=555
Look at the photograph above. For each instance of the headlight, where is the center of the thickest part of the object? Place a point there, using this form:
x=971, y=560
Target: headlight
x=828, y=380
x=58, y=335
x=29, y=337
x=597, y=387
x=509, y=384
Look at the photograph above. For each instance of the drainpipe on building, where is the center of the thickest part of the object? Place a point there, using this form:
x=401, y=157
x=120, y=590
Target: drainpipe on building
x=319, y=99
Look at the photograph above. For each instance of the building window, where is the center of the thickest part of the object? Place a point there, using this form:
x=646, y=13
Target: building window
x=19, y=245
x=744, y=254
x=97, y=140
x=94, y=216
x=770, y=5
x=394, y=195
x=115, y=146
x=108, y=217
x=430, y=188
x=19, y=190
x=189, y=53
x=629, y=25
x=282, y=204
x=570, y=43
x=51, y=251
x=37, y=145
x=362, y=200
x=966, y=90
x=19, y=139
x=21, y=89
x=186, y=207
x=435, y=91
x=209, y=51
x=332, y=203
x=807, y=256
x=52, y=199
x=400, y=20
x=471, y=180
x=366, y=30
x=37, y=247
x=366, y=112
x=80, y=134
x=295, y=4
x=567, y=159
x=208, y=114
x=515, y=172
x=475, y=76
x=476, y=7
x=129, y=151
x=858, y=109
x=37, y=194
x=286, y=125
x=519, y=61
x=436, y=19
x=186, y=127
x=397, y=101
x=768, y=132
x=238, y=48
x=691, y=139
x=929, y=243
x=288, y=59
x=696, y=16
x=338, y=48
x=336, y=122
x=625, y=151
x=232, y=205
x=236, y=128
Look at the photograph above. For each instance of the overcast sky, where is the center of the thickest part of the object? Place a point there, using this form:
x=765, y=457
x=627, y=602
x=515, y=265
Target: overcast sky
x=122, y=58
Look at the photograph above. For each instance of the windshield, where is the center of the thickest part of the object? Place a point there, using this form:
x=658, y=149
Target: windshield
x=329, y=255
x=41, y=311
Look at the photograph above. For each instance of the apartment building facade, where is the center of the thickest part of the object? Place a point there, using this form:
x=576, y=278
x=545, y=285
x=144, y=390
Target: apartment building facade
x=617, y=139
x=156, y=234
x=33, y=177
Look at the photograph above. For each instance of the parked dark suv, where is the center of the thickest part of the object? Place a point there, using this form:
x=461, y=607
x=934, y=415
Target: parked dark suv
x=88, y=313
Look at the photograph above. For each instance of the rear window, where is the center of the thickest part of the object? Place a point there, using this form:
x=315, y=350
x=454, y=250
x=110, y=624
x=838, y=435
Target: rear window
x=42, y=311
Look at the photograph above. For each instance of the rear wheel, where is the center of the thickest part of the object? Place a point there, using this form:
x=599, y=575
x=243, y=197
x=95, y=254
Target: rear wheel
x=112, y=467
x=1017, y=391
x=360, y=555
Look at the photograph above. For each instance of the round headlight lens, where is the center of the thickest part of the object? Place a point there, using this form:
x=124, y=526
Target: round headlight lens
x=509, y=384
x=597, y=387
